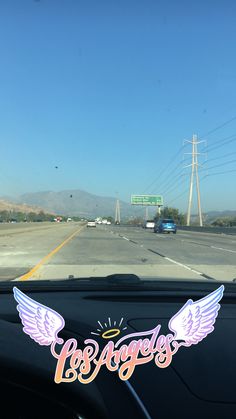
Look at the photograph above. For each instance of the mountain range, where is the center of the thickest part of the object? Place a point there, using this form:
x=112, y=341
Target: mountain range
x=86, y=205
x=79, y=203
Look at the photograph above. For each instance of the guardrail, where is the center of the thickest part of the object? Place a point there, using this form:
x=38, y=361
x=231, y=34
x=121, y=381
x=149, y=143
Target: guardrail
x=216, y=230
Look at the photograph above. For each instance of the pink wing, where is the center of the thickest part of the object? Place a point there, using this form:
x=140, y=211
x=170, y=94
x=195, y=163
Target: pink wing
x=194, y=321
x=41, y=323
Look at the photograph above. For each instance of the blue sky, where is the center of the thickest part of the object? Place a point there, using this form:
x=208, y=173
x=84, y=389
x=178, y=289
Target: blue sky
x=109, y=90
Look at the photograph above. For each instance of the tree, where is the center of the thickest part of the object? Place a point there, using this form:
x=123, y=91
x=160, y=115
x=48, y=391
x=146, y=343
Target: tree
x=169, y=212
x=224, y=222
x=4, y=215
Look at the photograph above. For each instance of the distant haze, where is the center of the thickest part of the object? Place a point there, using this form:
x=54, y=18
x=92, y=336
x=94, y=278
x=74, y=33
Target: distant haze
x=83, y=204
x=80, y=203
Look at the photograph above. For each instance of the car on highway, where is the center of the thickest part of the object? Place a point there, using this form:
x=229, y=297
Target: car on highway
x=166, y=225
x=91, y=224
x=149, y=224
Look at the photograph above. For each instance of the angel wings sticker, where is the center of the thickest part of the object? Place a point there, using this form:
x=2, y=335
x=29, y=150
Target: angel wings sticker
x=190, y=325
x=41, y=323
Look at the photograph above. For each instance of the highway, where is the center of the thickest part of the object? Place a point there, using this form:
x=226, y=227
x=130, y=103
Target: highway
x=57, y=250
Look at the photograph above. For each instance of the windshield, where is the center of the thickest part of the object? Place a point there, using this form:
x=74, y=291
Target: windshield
x=84, y=87
x=166, y=221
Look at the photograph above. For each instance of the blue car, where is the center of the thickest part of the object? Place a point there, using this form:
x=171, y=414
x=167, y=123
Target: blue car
x=165, y=225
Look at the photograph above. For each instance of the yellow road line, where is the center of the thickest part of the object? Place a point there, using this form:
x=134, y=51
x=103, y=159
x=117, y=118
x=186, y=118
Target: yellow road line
x=47, y=257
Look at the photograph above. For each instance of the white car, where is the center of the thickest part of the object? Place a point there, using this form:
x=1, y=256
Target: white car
x=108, y=223
x=91, y=224
x=149, y=224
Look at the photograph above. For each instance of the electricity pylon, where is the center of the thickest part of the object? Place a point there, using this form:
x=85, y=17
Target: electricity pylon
x=194, y=171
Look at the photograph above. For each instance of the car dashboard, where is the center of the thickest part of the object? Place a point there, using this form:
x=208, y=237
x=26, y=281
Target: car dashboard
x=198, y=382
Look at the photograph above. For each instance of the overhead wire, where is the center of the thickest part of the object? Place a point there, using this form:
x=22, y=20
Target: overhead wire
x=220, y=157
x=167, y=180
x=180, y=182
x=218, y=165
x=165, y=183
x=178, y=196
x=219, y=127
x=182, y=193
x=162, y=171
x=220, y=173
x=216, y=146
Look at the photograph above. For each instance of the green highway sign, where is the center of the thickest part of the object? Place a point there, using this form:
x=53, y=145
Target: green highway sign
x=146, y=200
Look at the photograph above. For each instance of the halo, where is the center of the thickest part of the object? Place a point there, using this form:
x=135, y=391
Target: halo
x=111, y=333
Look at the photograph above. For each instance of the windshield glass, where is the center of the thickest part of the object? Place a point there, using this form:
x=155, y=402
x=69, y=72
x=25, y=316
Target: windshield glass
x=84, y=86
x=168, y=221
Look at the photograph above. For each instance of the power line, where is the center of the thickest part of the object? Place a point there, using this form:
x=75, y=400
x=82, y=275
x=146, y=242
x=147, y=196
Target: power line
x=217, y=144
x=221, y=157
x=219, y=127
x=172, y=184
x=219, y=165
x=220, y=173
x=203, y=178
x=166, y=181
x=184, y=192
x=220, y=140
x=164, y=170
x=214, y=147
x=178, y=196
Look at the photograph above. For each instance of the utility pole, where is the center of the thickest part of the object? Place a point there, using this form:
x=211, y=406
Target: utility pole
x=191, y=183
x=117, y=215
x=146, y=213
x=194, y=170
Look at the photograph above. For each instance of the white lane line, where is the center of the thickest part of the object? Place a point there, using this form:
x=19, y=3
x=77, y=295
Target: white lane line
x=183, y=266
x=225, y=250
x=174, y=261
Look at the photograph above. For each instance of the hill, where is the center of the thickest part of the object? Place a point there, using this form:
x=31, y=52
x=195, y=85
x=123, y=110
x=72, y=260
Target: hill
x=79, y=203
x=12, y=206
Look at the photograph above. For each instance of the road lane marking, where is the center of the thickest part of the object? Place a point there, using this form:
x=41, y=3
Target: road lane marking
x=174, y=261
x=221, y=248
x=157, y=253
x=29, y=274
x=182, y=265
x=208, y=245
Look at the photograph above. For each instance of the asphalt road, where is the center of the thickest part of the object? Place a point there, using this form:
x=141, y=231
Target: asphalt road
x=57, y=250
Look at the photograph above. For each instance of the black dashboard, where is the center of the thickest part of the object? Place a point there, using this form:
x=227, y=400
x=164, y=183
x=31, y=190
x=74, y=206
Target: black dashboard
x=198, y=383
